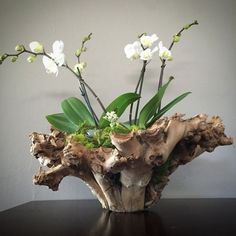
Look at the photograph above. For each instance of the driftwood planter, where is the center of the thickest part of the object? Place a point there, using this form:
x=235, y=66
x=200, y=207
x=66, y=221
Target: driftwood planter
x=131, y=176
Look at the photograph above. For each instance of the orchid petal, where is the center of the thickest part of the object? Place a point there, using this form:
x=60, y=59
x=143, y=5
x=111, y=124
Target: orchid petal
x=133, y=50
x=59, y=58
x=160, y=45
x=147, y=41
x=164, y=53
x=58, y=47
x=146, y=54
x=154, y=38
x=154, y=49
x=50, y=66
x=128, y=50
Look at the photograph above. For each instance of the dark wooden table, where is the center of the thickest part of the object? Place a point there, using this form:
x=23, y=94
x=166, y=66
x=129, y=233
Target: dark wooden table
x=216, y=217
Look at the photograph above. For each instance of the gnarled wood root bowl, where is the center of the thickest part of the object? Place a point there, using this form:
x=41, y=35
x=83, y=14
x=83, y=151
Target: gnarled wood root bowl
x=131, y=176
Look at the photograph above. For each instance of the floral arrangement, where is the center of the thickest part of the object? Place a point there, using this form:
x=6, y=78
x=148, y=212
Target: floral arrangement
x=80, y=119
x=126, y=164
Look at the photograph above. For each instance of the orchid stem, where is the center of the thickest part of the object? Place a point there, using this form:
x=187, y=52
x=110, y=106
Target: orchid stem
x=140, y=92
x=86, y=98
x=163, y=65
x=88, y=87
x=139, y=84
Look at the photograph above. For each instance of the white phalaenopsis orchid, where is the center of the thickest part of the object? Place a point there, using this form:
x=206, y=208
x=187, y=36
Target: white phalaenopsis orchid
x=164, y=53
x=147, y=41
x=36, y=47
x=50, y=66
x=58, y=58
x=133, y=50
x=146, y=54
x=141, y=49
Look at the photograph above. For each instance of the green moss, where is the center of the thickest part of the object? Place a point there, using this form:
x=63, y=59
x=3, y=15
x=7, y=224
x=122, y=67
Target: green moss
x=89, y=145
x=79, y=137
x=94, y=137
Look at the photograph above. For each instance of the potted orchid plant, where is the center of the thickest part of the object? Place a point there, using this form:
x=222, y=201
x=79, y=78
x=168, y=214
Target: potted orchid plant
x=126, y=164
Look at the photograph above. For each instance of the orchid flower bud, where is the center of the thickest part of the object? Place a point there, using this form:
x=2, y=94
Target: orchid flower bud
x=36, y=47
x=78, y=52
x=31, y=58
x=3, y=57
x=13, y=59
x=176, y=38
x=19, y=48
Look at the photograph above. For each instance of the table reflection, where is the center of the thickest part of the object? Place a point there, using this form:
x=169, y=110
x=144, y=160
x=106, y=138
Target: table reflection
x=140, y=223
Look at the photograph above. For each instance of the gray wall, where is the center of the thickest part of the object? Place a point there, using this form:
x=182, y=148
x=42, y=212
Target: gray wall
x=204, y=63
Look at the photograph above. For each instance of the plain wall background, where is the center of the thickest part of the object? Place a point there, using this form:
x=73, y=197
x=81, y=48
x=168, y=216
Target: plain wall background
x=204, y=63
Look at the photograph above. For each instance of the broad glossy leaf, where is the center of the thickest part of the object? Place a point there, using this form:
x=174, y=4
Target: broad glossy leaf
x=60, y=122
x=168, y=107
x=119, y=105
x=151, y=106
x=76, y=111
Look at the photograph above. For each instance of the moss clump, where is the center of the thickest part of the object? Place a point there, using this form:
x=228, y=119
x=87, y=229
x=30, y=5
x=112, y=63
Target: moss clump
x=95, y=137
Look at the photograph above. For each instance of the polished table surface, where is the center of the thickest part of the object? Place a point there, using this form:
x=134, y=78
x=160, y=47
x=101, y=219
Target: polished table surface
x=216, y=217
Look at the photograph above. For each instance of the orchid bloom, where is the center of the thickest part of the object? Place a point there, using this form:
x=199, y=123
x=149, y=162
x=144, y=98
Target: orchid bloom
x=141, y=49
x=164, y=53
x=58, y=58
x=133, y=50
x=50, y=66
x=147, y=54
x=147, y=41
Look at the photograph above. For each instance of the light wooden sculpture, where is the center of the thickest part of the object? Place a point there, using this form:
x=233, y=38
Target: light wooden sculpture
x=131, y=176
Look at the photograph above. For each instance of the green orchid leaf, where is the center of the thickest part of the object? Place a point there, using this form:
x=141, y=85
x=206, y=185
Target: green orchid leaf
x=76, y=112
x=168, y=107
x=118, y=105
x=59, y=121
x=149, y=110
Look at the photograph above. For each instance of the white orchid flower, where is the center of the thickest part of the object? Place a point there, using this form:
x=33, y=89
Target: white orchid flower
x=148, y=53
x=50, y=66
x=36, y=47
x=58, y=58
x=133, y=50
x=147, y=41
x=164, y=53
